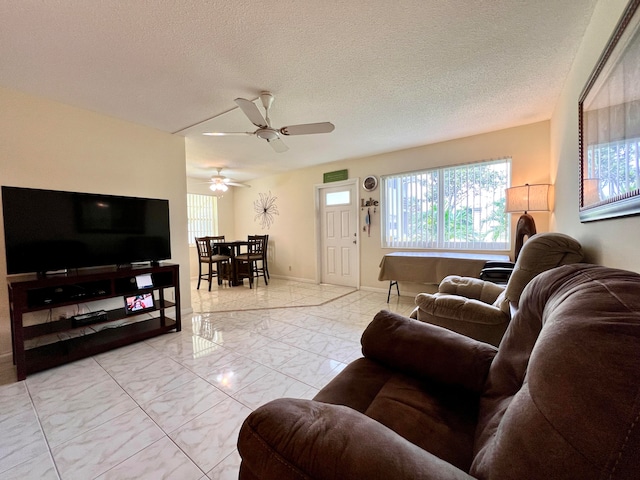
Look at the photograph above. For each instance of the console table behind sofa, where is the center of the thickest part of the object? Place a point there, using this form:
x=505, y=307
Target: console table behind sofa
x=431, y=267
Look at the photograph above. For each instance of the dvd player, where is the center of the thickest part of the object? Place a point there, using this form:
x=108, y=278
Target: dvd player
x=89, y=318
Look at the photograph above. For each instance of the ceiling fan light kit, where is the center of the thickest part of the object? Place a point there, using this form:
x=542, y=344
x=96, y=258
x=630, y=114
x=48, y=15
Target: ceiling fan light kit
x=265, y=131
x=218, y=187
x=219, y=184
x=267, y=134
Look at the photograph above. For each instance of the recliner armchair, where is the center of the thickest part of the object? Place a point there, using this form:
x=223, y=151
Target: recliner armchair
x=481, y=309
x=558, y=400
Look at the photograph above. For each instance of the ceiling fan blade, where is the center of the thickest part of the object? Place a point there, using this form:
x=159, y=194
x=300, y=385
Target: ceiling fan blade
x=230, y=184
x=251, y=111
x=307, y=128
x=206, y=183
x=226, y=134
x=278, y=145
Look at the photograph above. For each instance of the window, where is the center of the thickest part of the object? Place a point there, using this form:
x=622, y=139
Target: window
x=338, y=198
x=202, y=216
x=459, y=207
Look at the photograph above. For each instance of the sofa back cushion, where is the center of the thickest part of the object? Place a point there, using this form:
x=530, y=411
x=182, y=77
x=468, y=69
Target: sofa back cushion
x=540, y=253
x=562, y=399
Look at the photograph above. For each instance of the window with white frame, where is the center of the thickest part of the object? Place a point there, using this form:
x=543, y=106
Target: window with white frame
x=202, y=216
x=460, y=207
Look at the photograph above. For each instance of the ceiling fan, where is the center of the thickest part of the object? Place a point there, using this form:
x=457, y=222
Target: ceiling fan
x=265, y=131
x=220, y=183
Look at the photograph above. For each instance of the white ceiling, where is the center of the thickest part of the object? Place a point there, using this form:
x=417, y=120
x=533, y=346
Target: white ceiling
x=389, y=74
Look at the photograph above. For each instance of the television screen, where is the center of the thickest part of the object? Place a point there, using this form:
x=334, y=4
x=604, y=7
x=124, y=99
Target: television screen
x=48, y=230
x=138, y=303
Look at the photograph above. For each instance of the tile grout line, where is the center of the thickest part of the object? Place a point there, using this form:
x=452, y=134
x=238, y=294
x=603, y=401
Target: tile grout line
x=44, y=436
x=165, y=434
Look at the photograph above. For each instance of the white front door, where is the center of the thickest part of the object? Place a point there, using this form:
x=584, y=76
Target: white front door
x=339, y=234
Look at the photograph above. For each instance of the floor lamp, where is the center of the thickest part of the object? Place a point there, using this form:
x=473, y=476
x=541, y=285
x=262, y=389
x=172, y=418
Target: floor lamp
x=527, y=198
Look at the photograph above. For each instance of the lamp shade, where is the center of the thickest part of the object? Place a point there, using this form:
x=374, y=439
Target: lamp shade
x=529, y=198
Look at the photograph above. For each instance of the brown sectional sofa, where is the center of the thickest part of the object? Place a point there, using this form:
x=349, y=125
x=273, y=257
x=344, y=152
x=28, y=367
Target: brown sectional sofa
x=560, y=399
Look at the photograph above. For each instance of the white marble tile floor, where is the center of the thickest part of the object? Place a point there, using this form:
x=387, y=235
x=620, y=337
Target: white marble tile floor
x=171, y=407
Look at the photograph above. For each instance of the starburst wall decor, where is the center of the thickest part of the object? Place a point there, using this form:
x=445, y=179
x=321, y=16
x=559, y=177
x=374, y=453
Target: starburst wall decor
x=265, y=208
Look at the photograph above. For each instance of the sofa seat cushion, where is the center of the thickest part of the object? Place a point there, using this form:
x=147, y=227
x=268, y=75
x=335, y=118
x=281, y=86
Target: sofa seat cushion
x=436, y=417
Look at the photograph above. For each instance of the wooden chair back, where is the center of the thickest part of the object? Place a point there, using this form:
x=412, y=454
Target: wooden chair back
x=258, y=244
x=203, y=245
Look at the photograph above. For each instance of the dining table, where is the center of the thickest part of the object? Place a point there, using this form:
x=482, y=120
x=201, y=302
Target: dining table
x=234, y=249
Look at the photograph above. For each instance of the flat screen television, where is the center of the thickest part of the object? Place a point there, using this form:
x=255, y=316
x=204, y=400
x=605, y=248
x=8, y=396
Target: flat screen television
x=51, y=230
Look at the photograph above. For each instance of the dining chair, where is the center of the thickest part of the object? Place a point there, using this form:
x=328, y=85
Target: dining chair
x=264, y=267
x=222, y=252
x=247, y=263
x=209, y=256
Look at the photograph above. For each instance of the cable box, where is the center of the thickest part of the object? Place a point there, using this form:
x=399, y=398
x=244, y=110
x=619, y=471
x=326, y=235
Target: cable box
x=89, y=318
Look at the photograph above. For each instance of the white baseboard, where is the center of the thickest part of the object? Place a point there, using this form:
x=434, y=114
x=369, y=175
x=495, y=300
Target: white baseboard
x=294, y=279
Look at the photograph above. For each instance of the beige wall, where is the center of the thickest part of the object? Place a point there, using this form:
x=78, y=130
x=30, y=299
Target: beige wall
x=608, y=242
x=44, y=144
x=293, y=235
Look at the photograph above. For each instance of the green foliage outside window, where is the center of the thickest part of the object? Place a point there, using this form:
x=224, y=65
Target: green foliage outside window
x=458, y=207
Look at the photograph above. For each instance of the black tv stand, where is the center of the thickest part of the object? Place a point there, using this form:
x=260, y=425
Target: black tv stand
x=33, y=349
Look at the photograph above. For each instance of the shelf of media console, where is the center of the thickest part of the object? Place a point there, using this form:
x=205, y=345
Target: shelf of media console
x=49, y=344
x=67, y=324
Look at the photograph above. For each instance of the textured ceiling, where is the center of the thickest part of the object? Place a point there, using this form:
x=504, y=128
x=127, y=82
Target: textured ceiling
x=389, y=75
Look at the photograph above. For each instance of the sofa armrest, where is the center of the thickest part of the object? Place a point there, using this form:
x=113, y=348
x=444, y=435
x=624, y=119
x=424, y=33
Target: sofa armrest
x=455, y=307
x=294, y=439
x=427, y=351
